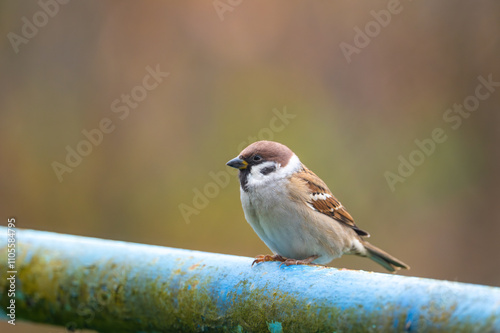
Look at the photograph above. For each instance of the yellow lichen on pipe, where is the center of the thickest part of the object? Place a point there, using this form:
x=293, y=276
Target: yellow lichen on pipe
x=111, y=286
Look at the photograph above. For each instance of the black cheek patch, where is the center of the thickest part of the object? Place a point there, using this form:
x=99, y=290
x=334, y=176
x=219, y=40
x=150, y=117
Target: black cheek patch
x=268, y=170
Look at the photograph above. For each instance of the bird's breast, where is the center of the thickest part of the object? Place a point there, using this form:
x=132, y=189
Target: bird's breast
x=289, y=228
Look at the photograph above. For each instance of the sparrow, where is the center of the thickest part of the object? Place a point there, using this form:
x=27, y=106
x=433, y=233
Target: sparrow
x=294, y=212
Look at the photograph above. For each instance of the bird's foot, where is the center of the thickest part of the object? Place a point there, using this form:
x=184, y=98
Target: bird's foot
x=283, y=260
x=268, y=257
x=307, y=261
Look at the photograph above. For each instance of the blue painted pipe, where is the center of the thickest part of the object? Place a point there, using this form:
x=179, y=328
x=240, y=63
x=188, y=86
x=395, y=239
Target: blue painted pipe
x=112, y=286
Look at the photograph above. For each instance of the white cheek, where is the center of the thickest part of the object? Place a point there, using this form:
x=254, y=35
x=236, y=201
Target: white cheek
x=257, y=179
x=256, y=172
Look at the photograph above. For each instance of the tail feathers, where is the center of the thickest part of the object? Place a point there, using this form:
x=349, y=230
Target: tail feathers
x=383, y=258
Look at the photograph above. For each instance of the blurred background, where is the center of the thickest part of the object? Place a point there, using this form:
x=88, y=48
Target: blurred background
x=117, y=118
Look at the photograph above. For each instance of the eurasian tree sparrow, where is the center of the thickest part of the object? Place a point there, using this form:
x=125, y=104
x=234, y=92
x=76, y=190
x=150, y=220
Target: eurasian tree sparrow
x=294, y=213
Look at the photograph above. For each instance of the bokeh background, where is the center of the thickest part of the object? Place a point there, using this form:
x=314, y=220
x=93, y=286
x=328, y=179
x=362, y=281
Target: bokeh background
x=233, y=67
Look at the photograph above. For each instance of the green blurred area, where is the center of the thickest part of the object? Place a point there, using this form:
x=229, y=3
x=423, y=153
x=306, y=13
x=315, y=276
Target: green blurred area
x=351, y=121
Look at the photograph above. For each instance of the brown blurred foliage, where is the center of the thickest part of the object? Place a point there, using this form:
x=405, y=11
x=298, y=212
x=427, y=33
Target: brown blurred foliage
x=352, y=121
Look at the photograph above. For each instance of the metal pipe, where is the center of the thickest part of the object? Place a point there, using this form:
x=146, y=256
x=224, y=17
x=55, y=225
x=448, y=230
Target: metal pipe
x=113, y=286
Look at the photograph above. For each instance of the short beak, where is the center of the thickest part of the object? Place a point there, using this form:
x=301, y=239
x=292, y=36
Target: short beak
x=237, y=163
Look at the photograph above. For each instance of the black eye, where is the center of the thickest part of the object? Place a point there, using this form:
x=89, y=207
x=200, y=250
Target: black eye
x=257, y=158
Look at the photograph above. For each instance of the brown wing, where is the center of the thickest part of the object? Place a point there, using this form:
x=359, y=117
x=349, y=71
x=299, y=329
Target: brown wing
x=322, y=200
